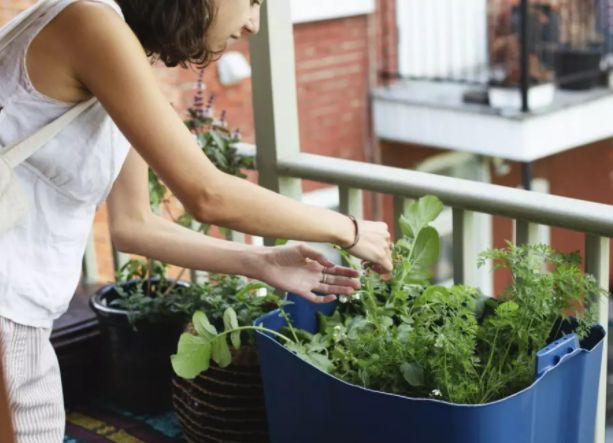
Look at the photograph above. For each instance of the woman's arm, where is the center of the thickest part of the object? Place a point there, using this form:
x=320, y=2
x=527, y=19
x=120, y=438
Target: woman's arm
x=108, y=60
x=135, y=229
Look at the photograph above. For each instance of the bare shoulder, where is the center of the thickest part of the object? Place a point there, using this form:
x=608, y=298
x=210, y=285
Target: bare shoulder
x=85, y=32
x=88, y=12
x=84, y=24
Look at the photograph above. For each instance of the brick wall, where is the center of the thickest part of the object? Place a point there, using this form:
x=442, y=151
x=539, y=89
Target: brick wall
x=386, y=31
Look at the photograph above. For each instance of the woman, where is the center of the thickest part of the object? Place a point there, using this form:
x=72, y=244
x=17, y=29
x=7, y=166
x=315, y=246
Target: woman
x=80, y=48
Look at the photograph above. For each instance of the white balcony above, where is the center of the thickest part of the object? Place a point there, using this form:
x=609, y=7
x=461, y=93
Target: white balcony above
x=316, y=10
x=434, y=114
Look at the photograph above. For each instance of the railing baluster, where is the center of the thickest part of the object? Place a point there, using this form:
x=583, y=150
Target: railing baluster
x=275, y=108
x=238, y=237
x=119, y=259
x=195, y=275
x=464, y=248
x=597, y=264
x=526, y=233
x=351, y=201
x=399, y=205
x=90, y=265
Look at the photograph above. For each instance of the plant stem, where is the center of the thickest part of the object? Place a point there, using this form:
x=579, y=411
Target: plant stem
x=256, y=328
x=489, y=360
x=447, y=388
x=289, y=323
x=174, y=283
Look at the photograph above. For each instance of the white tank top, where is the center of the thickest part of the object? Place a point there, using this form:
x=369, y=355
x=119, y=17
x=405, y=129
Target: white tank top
x=40, y=259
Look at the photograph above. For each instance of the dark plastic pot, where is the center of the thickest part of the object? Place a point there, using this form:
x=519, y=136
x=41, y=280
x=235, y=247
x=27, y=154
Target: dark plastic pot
x=223, y=404
x=137, y=362
x=578, y=69
x=306, y=405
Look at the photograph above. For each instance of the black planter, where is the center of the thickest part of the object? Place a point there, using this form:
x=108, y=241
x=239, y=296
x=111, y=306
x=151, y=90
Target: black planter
x=76, y=339
x=223, y=404
x=137, y=362
x=578, y=69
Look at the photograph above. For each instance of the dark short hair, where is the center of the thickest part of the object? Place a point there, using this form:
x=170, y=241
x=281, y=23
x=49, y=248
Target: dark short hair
x=173, y=30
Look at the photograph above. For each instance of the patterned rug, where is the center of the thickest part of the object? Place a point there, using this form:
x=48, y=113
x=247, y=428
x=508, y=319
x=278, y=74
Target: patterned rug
x=103, y=423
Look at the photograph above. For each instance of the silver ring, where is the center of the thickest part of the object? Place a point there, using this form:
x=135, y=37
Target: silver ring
x=324, y=276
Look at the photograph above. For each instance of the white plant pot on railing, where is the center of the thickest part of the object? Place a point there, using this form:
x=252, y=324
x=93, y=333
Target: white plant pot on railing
x=509, y=98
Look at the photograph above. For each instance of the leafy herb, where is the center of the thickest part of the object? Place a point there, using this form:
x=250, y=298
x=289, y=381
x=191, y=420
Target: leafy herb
x=145, y=293
x=231, y=301
x=196, y=350
x=215, y=140
x=405, y=336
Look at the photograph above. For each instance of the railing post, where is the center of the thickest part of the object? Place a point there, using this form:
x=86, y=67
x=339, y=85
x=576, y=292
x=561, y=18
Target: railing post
x=119, y=259
x=90, y=265
x=597, y=264
x=275, y=102
x=526, y=233
x=351, y=201
x=399, y=206
x=464, y=248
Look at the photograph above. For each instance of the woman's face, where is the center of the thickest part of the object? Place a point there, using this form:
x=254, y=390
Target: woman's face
x=232, y=17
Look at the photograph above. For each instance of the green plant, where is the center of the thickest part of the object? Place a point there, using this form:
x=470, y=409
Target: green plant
x=246, y=300
x=215, y=140
x=404, y=336
x=546, y=286
x=196, y=350
x=147, y=295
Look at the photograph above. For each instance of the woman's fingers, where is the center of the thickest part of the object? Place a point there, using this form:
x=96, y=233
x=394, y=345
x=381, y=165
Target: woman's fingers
x=374, y=245
x=334, y=289
x=342, y=270
x=378, y=268
x=315, y=255
x=318, y=299
x=339, y=280
x=305, y=271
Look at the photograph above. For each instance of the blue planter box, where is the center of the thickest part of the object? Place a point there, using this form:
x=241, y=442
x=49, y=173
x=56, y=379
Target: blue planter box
x=305, y=404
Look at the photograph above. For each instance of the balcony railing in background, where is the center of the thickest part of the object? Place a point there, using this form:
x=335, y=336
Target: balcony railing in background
x=517, y=43
x=443, y=39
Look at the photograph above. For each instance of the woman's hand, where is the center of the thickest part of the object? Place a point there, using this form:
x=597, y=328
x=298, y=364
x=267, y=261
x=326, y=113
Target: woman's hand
x=302, y=270
x=374, y=246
